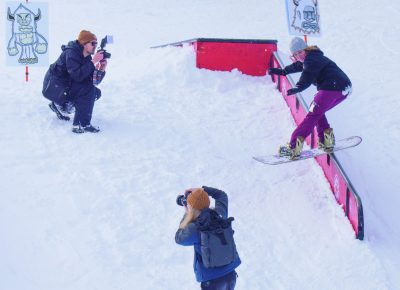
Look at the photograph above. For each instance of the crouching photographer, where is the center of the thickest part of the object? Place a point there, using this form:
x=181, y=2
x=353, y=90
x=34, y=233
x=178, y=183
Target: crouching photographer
x=74, y=77
x=210, y=233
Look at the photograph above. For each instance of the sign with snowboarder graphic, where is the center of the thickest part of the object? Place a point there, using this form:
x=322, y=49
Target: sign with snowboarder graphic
x=309, y=153
x=27, y=34
x=303, y=17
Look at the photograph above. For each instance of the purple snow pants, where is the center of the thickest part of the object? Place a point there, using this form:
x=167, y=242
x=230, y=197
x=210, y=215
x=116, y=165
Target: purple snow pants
x=323, y=102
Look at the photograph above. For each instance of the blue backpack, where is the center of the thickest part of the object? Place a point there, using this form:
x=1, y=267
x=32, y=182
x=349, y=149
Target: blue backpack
x=217, y=244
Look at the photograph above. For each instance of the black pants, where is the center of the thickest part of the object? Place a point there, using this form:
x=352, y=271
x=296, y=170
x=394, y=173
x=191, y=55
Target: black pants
x=226, y=282
x=84, y=108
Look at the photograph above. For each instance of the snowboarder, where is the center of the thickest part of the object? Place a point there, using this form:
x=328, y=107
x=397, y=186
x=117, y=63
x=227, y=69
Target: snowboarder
x=198, y=214
x=333, y=87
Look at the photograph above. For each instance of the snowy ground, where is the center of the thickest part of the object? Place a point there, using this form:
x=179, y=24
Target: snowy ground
x=99, y=212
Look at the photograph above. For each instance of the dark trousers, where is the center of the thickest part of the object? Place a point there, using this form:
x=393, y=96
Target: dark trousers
x=84, y=108
x=226, y=282
x=323, y=102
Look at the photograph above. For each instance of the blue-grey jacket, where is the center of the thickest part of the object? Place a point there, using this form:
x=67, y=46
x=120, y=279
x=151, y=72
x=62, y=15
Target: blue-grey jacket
x=190, y=236
x=319, y=70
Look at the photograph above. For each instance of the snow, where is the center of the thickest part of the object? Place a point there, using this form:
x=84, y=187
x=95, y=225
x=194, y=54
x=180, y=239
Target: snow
x=97, y=211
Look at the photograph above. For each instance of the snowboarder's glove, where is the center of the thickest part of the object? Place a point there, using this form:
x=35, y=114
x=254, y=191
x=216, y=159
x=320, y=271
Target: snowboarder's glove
x=292, y=91
x=276, y=71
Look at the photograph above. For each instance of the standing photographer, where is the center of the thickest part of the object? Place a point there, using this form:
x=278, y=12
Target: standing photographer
x=209, y=232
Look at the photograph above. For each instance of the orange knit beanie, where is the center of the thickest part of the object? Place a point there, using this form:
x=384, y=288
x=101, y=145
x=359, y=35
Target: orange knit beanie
x=86, y=36
x=198, y=199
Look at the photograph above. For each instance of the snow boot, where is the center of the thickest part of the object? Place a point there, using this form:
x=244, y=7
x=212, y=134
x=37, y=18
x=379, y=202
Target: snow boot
x=292, y=153
x=78, y=129
x=88, y=128
x=329, y=140
x=91, y=129
x=55, y=109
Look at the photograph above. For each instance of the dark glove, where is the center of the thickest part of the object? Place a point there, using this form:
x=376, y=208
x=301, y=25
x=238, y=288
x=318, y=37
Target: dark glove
x=276, y=71
x=292, y=91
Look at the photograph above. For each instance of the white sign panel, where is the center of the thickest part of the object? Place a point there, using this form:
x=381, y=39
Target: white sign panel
x=27, y=34
x=303, y=17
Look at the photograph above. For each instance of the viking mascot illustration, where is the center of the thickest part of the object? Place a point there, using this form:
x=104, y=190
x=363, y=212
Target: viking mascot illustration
x=306, y=17
x=24, y=35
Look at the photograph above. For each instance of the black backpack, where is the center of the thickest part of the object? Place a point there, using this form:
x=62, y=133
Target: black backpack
x=56, y=83
x=217, y=244
x=55, y=89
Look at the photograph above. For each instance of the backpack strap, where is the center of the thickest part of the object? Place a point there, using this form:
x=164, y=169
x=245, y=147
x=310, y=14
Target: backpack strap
x=220, y=234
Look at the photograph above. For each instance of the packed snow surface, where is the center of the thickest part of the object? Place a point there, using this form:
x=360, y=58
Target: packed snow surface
x=98, y=211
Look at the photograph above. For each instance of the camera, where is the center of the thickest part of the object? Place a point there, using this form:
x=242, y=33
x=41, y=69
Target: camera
x=106, y=40
x=182, y=198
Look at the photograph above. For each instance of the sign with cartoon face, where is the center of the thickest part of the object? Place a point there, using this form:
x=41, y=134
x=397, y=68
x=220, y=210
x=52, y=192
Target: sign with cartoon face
x=303, y=17
x=27, y=34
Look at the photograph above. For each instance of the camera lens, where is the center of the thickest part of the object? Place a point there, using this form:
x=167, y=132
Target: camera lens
x=181, y=200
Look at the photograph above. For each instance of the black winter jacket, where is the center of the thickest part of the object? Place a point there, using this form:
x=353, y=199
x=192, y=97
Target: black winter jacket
x=320, y=71
x=74, y=68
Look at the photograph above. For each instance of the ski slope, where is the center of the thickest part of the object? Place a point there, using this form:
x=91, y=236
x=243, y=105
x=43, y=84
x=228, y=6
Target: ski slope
x=99, y=212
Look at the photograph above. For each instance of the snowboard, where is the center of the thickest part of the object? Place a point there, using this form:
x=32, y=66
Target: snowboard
x=309, y=153
x=60, y=115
